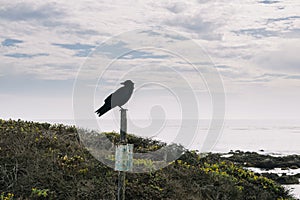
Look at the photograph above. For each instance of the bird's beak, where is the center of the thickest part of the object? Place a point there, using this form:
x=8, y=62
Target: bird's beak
x=122, y=83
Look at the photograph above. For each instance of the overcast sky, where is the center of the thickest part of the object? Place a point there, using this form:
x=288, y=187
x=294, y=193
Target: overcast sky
x=254, y=44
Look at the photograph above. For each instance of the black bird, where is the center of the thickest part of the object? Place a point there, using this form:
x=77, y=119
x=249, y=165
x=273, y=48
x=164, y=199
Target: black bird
x=118, y=98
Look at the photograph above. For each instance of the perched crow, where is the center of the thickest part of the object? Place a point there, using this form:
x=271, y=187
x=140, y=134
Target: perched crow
x=118, y=98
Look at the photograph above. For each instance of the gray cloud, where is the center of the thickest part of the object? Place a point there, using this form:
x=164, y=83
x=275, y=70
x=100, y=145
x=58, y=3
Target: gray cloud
x=245, y=77
x=82, y=50
x=26, y=11
x=222, y=67
x=76, y=46
x=195, y=24
x=262, y=80
x=293, y=33
x=176, y=7
x=203, y=1
x=285, y=60
x=24, y=55
x=271, y=76
x=268, y=1
x=113, y=50
x=77, y=31
x=263, y=32
x=165, y=35
x=293, y=77
x=267, y=77
x=290, y=30
x=282, y=19
x=249, y=78
x=257, y=32
x=232, y=73
x=143, y=55
x=48, y=15
x=11, y=42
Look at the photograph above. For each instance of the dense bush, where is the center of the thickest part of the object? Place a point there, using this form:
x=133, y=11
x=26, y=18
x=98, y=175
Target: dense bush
x=44, y=161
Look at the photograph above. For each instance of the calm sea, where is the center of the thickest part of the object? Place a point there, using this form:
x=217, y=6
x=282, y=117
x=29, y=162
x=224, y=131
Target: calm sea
x=272, y=136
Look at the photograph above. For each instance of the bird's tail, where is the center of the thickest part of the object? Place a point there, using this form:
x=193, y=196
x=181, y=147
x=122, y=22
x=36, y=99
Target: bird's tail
x=103, y=109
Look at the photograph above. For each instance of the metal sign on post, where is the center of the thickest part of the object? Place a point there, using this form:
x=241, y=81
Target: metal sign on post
x=124, y=157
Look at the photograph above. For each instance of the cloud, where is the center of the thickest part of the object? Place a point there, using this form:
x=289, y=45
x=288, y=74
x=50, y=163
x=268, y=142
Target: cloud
x=24, y=55
x=82, y=50
x=293, y=77
x=287, y=26
x=203, y=1
x=260, y=33
x=271, y=75
x=176, y=7
x=268, y=1
x=257, y=32
x=267, y=77
x=285, y=59
x=261, y=80
x=293, y=33
x=80, y=31
x=29, y=11
x=11, y=42
x=50, y=15
x=143, y=55
x=75, y=46
x=234, y=74
x=193, y=23
x=165, y=35
x=51, y=72
x=222, y=67
x=196, y=24
x=282, y=19
x=113, y=50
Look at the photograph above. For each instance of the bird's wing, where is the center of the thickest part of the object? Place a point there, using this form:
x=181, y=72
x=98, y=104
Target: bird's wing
x=105, y=108
x=108, y=99
x=119, y=97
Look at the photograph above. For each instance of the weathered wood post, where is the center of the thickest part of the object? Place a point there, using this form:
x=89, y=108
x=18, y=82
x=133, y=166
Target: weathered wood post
x=121, y=175
x=123, y=125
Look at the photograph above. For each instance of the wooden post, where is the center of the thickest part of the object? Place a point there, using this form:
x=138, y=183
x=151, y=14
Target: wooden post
x=121, y=175
x=123, y=126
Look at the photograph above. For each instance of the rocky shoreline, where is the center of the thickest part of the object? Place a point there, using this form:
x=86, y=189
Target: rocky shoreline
x=267, y=164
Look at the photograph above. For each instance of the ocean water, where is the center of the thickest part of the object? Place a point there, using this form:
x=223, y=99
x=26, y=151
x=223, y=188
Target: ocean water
x=280, y=137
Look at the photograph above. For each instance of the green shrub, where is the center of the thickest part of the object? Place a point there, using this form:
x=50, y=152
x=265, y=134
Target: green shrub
x=44, y=161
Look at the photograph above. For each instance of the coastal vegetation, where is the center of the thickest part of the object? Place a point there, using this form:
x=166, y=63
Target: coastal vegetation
x=48, y=161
